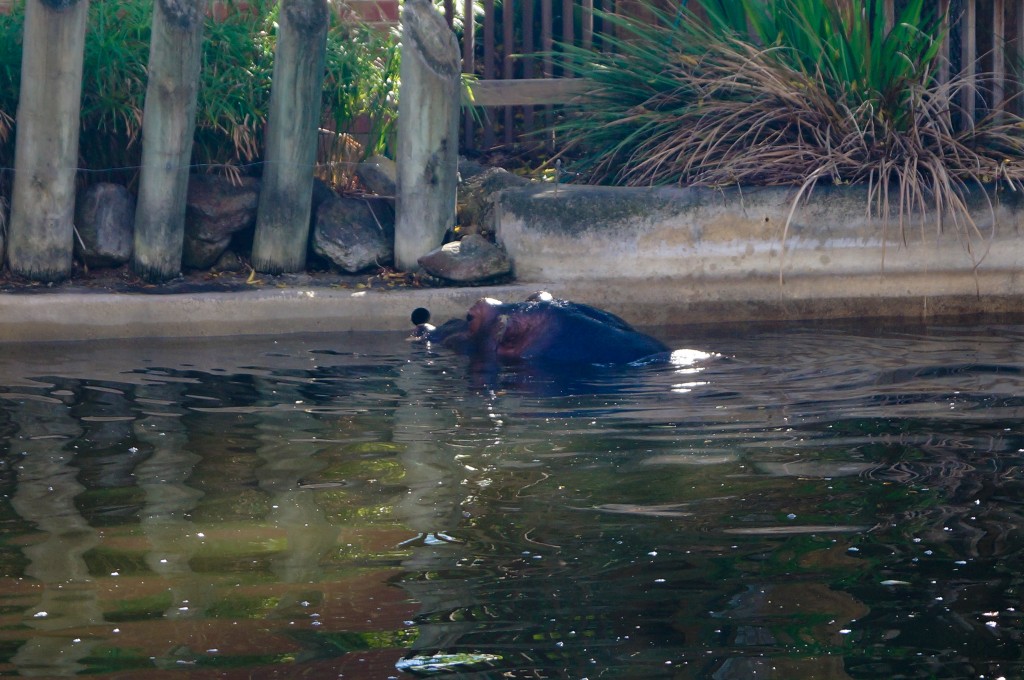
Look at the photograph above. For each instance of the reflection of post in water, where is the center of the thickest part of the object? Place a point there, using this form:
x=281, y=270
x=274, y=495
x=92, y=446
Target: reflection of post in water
x=45, y=496
x=288, y=460
x=432, y=505
x=168, y=498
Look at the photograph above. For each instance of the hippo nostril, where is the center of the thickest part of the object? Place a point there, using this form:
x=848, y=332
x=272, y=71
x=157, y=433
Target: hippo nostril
x=420, y=315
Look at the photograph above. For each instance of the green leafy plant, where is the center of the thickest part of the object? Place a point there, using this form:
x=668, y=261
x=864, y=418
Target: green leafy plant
x=789, y=92
x=361, y=83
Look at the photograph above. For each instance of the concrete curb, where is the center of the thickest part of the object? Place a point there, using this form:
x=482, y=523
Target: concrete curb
x=656, y=257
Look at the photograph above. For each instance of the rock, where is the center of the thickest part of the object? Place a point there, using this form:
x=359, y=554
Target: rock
x=355, y=233
x=378, y=174
x=469, y=168
x=229, y=261
x=199, y=254
x=476, y=198
x=105, y=221
x=217, y=207
x=473, y=259
x=322, y=192
x=215, y=210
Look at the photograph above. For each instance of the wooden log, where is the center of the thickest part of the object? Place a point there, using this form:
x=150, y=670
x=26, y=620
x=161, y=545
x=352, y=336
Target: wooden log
x=40, y=232
x=282, y=218
x=530, y=92
x=168, y=127
x=428, y=133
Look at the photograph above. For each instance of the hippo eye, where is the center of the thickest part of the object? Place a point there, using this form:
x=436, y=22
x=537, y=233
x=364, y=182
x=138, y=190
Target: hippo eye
x=469, y=318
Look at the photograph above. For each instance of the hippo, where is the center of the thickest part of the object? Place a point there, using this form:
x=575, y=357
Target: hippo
x=541, y=329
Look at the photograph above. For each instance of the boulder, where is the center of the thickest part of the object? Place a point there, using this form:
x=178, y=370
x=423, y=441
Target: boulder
x=355, y=233
x=104, y=220
x=378, y=174
x=474, y=259
x=476, y=198
x=229, y=261
x=216, y=208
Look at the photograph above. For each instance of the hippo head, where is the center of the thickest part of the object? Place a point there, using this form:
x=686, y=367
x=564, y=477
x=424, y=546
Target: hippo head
x=510, y=332
x=542, y=329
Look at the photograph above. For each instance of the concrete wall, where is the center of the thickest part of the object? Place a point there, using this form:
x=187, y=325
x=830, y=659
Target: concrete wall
x=665, y=255
x=653, y=256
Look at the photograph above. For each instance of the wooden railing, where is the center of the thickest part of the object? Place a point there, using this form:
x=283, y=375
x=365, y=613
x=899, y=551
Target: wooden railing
x=985, y=45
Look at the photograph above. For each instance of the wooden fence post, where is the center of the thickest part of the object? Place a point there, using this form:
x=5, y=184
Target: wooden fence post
x=428, y=133
x=168, y=127
x=40, y=233
x=282, y=221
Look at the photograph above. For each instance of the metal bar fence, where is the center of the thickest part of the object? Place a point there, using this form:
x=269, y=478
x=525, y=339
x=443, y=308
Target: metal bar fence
x=984, y=48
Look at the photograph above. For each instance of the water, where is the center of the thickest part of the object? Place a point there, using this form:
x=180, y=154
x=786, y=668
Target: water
x=826, y=502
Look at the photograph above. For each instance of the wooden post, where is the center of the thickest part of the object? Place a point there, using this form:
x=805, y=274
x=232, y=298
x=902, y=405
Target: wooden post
x=40, y=233
x=282, y=221
x=168, y=126
x=428, y=133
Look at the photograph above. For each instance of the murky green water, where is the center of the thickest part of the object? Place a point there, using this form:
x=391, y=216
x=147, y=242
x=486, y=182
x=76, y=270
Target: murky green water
x=815, y=503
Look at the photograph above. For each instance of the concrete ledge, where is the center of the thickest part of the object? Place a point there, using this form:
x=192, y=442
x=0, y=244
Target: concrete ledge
x=703, y=245
x=657, y=257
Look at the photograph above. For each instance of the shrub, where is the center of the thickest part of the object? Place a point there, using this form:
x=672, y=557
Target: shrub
x=788, y=92
x=360, y=81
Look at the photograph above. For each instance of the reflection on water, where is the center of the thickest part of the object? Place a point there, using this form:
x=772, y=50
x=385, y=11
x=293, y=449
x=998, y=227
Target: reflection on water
x=805, y=503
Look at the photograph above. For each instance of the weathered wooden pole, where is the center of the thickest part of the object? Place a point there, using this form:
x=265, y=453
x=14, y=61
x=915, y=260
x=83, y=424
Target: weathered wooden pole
x=282, y=219
x=168, y=126
x=428, y=133
x=40, y=232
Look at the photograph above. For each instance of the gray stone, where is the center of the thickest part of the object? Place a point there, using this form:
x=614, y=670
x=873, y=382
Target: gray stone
x=476, y=198
x=378, y=174
x=217, y=207
x=215, y=210
x=355, y=233
x=104, y=220
x=197, y=253
x=229, y=261
x=470, y=260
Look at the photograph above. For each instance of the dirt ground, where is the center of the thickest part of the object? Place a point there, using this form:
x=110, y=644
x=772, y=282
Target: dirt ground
x=123, y=280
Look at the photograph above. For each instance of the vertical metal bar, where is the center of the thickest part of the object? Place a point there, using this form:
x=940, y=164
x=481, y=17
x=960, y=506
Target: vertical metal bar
x=998, y=55
x=508, y=49
x=1019, y=52
x=568, y=28
x=944, y=48
x=489, y=68
x=587, y=25
x=528, y=61
x=468, y=66
x=547, y=45
x=890, y=14
x=969, y=55
x=449, y=12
